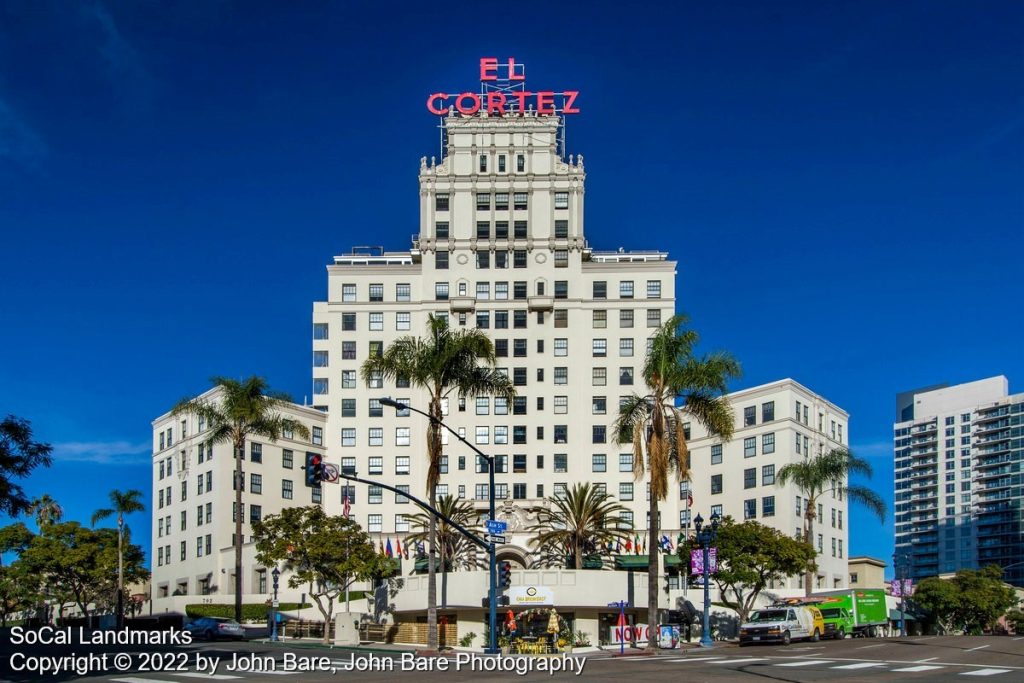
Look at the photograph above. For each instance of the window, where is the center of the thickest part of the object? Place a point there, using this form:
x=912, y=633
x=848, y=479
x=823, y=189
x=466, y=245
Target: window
x=561, y=200
x=626, y=376
x=320, y=386
x=348, y=379
x=441, y=262
x=401, y=523
x=750, y=447
x=501, y=200
x=626, y=289
x=625, y=462
x=519, y=491
x=561, y=405
x=255, y=483
x=377, y=291
x=561, y=258
x=375, y=495
x=561, y=461
x=561, y=229
x=654, y=289
x=626, y=347
x=599, y=462
x=441, y=201
x=768, y=443
x=600, y=348
x=441, y=291
x=481, y=492
x=561, y=289
x=600, y=289
x=519, y=320
x=600, y=376
x=519, y=434
x=625, y=491
x=483, y=168
x=319, y=332
x=519, y=377
x=403, y=321
x=599, y=405
x=749, y=416
x=348, y=407
x=375, y=523
x=376, y=465
x=716, y=454
x=402, y=436
x=600, y=319
x=348, y=436
x=561, y=375
x=483, y=435
x=750, y=478
x=716, y=483
x=286, y=489
x=348, y=292
x=561, y=434
x=319, y=359
x=483, y=228
x=767, y=475
x=768, y=411
x=599, y=434
x=501, y=320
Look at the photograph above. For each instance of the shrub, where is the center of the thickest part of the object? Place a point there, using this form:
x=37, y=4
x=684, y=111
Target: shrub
x=467, y=640
x=250, y=611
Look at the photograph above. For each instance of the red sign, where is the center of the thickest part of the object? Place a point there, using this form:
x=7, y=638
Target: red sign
x=503, y=94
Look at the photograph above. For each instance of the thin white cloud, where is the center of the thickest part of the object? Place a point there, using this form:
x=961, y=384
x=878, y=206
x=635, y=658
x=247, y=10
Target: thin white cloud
x=18, y=141
x=102, y=452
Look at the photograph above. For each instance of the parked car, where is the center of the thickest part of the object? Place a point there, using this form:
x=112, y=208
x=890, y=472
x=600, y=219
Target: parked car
x=782, y=625
x=212, y=628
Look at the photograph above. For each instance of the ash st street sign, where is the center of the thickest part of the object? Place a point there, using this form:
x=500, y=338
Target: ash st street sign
x=503, y=93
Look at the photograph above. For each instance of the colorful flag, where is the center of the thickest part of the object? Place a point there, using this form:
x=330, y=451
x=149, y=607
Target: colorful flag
x=689, y=499
x=388, y=551
x=407, y=550
x=636, y=545
x=618, y=547
x=382, y=547
x=347, y=506
x=398, y=547
x=666, y=543
x=629, y=545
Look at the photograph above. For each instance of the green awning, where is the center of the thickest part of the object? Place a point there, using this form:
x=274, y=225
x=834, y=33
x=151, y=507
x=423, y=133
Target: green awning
x=421, y=565
x=673, y=560
x=589, y=562
x=631, y=561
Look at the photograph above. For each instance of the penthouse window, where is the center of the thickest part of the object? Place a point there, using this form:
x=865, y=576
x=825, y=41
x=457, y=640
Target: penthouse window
x=626, y=289
x=319, y=332
x=600, y=289
x=654, y=289
x=561, y=200
x=520, y=200
x=441, y=201
x=561, y=229
x=377, y=291
x=348, y=293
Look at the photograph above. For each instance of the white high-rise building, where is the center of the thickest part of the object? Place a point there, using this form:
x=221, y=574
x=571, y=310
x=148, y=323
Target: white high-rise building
x=193, y=553
x=957, y=475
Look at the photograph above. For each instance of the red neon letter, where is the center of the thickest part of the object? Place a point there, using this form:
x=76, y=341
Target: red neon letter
x=570, y=99
x=495, y=103
x=512, y=76
x=488, y=68
x=545, y=102
x=434, y=98
x=521, y=95
x=464, y=110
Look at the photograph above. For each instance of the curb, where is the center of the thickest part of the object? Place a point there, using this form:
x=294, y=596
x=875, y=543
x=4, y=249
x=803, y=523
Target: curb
x=321, y=646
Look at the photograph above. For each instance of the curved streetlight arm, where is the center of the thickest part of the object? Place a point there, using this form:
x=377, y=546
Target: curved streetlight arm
x=398, y=405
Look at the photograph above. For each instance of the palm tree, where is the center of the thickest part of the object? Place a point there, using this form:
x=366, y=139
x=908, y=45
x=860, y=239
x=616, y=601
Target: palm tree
x=828, y=473
x=678, y=382
x=456, y=550
x=242, y=409
x=583, y=521
x=444, y=362
x=123, y=503
x=47, y=510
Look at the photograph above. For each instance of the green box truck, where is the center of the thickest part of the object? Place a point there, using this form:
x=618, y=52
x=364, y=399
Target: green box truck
x=849, y=612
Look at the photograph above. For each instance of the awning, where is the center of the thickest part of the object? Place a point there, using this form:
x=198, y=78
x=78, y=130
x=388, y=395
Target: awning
x=631, y=561
x=894, y=615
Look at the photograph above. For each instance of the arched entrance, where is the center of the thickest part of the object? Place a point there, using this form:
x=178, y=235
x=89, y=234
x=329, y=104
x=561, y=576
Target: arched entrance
x=515, y=555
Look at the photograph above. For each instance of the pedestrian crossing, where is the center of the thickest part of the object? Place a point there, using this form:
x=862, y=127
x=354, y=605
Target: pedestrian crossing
x=838, y=665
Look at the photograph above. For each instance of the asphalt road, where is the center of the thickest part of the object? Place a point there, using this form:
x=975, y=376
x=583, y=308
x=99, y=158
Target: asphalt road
x=961, y=659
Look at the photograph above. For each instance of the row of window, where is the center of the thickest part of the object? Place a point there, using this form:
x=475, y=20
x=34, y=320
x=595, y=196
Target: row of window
x=520, y=200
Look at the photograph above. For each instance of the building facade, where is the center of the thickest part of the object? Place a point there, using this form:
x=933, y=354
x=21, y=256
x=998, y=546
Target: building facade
x=193, y=506
x=958, y=452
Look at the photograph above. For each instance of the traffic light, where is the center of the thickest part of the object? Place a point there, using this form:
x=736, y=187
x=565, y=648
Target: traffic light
x=504, y=575
x=314, y=469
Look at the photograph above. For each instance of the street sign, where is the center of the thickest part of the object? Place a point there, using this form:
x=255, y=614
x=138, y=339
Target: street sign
x=495, y=527
x=494, y=538
x=276, y=604
x=620, y=604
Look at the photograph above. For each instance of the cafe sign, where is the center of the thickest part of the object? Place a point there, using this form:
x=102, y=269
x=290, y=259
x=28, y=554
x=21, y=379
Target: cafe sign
x=525, y=596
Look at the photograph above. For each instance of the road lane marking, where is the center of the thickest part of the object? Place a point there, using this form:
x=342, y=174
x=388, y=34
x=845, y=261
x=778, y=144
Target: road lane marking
x=861, y=665
x=865, y=647
x=985, y=672
x=695, y=659
x=741, y=661
x=980, y=647
x=930, y=659
x=918, y=668
x=808, y=662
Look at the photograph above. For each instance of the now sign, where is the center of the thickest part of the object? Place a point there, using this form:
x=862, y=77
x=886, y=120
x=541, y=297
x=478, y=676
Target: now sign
x=639, y=633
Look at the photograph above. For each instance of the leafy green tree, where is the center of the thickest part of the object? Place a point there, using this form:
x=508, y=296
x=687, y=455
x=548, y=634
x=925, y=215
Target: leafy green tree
x=241, y=409
x=1015, y=618
x=123, y=503
x=19, y=455
x=443, y=363
x=18, y=591
x=82, y=563
x=971, y=601
x=328, y=553
x=828, y=473
x=678, y=382
x=750, y=557
x=46, y=510
x=583, y=522
x=14, y=538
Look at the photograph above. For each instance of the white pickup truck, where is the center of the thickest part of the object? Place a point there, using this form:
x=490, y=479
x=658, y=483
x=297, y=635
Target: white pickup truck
x=782, y=625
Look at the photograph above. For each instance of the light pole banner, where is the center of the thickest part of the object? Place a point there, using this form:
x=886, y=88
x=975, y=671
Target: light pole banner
x=713, y=560
x=697, y=562
x=627, y=634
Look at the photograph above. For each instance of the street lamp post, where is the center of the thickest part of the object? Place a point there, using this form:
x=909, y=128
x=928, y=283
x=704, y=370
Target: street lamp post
x=706, y=537
x=276, y=574
x=492, y=584
x=901, y=561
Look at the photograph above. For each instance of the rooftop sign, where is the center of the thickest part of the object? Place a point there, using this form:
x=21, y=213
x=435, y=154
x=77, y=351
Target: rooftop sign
x=503, y=92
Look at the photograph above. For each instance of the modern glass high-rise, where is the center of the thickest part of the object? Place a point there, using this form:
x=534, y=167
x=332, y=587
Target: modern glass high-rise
x=958, y=455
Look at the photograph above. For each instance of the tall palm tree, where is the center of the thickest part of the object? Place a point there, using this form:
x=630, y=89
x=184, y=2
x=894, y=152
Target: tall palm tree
x=582, y=522
x=444, y=362
x=122, y=503
x=455, y=549
x=47, y=510
x=678, y=382
x=241, y=409
x=828, y=473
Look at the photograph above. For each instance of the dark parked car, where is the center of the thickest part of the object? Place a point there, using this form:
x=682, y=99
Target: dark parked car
x=212, y=628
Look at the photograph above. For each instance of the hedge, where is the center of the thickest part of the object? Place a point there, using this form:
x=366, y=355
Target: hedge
x=258, y=611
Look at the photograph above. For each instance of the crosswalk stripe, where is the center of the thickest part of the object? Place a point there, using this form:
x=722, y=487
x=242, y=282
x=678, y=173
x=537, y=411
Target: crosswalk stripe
x=807, y=662
x=985, y=672
x=918, y=668
x=860, y=665
x=740, y=661
x=695, y=659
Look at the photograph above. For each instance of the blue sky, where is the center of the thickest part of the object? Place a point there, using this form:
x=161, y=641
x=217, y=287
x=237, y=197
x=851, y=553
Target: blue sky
x=840, y=183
